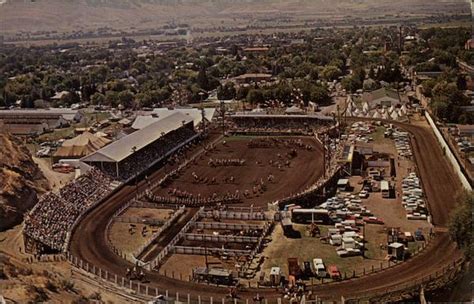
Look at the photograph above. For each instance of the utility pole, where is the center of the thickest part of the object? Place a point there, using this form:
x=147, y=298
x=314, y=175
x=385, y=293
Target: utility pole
x=134, y=149
x=223, y=116
x=203, y=116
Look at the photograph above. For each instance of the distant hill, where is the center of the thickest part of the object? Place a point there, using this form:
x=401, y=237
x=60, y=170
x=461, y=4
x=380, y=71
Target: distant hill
x=73, y=15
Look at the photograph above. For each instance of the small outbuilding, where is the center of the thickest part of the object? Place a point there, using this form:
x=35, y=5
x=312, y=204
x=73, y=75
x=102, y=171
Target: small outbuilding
x=396, y=250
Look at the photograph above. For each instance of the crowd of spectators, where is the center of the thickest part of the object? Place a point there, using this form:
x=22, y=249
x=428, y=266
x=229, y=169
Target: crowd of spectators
x=147, y=156
x=55, y=213
x=192, y=200
x=276, y=125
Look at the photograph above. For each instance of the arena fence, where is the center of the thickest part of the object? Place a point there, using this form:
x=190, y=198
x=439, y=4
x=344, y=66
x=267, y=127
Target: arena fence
x=138, y=220
x=225, y=214
x=155, y=236
x=157, y=261
x=210, y=251
x=220, y=238
x=227, y=226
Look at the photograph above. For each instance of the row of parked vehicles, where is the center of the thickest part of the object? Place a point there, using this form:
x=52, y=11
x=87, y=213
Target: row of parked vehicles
x=412, y=198
x=315, y=268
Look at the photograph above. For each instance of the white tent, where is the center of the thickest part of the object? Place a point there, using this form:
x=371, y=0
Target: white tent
x=376, y=115
x=391, y=109
x=394, y=115
x=385, y=116
x=366, y=107
x=403, y=109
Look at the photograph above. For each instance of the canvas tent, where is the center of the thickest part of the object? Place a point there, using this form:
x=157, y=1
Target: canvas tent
x=80, y=146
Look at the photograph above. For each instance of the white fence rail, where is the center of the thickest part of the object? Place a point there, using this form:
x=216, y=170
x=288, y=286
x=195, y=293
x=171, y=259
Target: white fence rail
x=449, y=154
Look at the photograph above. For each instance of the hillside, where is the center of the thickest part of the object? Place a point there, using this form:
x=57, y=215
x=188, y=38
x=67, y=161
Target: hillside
x=81, y=15
x=20, y=180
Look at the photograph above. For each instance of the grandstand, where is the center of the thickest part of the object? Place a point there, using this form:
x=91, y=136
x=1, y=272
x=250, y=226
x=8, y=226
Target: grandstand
x=140, y=150
x=277, y=124
x=48, y=223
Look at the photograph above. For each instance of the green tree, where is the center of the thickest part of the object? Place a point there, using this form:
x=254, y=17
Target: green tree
x=255, y=96
x=351, y=83
x=98, y=99
x=126, y=98
x=460, y=222
x=331, y=72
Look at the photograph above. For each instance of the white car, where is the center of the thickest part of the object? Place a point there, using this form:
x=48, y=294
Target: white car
x=364, y=194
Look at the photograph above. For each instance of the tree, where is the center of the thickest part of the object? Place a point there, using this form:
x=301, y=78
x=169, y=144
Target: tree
x=320, y=95
x=98, y=99
x=226, y=91
x=351, y=83
x=126, y=98
x=460, y=222
x=202, y=79
x=255, y=96
x=111, y=98
x=331, y=72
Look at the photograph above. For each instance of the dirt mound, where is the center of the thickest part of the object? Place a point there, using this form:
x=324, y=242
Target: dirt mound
x=20, y=181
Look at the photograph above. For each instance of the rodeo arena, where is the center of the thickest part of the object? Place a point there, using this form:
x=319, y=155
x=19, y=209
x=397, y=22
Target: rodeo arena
x=185, y=212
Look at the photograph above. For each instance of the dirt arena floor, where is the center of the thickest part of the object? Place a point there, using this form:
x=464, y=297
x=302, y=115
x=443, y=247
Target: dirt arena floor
x=304, y=169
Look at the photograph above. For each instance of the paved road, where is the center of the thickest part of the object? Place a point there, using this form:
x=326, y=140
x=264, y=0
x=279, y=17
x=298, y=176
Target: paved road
x=441, y=186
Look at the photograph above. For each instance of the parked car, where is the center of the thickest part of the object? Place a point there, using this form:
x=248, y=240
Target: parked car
x=319, y=268
x=334, y=272
x=307, y=271
x=373, y=220
x=364, y=194
x=419, y=235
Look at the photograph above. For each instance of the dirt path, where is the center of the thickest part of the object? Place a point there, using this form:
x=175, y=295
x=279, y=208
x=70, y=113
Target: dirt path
x=55, y=179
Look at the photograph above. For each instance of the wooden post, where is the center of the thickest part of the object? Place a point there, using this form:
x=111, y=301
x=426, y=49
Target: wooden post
x=199, y=299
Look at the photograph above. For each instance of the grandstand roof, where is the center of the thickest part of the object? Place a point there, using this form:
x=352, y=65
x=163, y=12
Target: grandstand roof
x=121, y=149
x=160, y=113
x=264, y=115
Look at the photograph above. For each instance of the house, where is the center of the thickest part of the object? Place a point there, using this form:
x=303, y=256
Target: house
x=465, y=130
x=255, y=50
x=252, y=78
x=382, y=97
